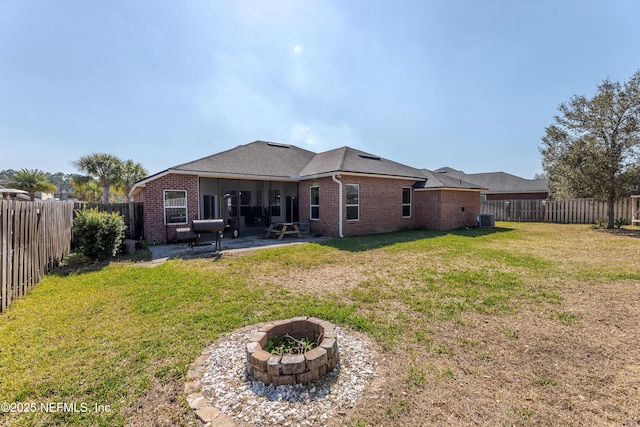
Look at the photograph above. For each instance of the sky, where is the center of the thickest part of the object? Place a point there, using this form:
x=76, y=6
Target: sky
x=467, y=84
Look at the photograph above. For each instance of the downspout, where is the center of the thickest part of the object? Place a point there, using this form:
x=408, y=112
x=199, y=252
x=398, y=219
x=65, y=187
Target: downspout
x=333, y=177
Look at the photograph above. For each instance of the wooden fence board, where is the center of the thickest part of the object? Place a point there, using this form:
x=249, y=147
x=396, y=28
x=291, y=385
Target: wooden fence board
x=34, y=237
x=577, y=211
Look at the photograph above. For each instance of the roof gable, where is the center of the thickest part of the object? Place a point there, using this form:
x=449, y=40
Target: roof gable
x=350, y=160
x=440, y=180
x=258, y=158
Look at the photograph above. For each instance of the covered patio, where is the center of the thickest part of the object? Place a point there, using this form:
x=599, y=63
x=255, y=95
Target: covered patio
x=250, y=240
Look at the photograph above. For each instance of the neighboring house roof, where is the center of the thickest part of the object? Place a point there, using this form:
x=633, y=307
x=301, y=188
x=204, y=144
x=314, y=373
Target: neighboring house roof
x=18, y=194
x=438, y=180
x=498, y=182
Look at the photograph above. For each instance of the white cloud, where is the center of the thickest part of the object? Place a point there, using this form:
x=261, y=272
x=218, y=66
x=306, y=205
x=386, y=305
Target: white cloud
x=323, y=136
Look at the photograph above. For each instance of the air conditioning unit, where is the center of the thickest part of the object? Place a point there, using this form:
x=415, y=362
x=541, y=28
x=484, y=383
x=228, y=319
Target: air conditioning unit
x=486, y=220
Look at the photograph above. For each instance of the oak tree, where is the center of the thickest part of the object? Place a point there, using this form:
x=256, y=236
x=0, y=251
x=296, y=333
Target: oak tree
x=593, y=147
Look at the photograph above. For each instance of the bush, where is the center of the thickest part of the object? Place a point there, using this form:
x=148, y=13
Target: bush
x=618, y=223
x=98, y=234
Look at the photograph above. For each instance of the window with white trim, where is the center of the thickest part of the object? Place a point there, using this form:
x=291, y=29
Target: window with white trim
x=353, y=202
x=175, y=207
x=406, y=202
x=314, y=203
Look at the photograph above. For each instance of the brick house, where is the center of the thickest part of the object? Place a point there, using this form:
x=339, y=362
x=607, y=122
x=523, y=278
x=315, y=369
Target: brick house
x=341, y=192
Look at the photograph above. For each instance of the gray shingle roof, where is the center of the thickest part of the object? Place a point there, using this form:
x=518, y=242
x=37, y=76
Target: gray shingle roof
x=439, y=180
x=258, y=158
x=498, y=182
x=270, y=160
x=347, y=159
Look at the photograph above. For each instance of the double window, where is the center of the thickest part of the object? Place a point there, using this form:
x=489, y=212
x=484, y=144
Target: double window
x=314, y=203
x=406, y=202
x=175, y=207
x=353, y=202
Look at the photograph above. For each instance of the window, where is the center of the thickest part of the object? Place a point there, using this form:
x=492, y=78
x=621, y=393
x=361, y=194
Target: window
x=245, y=198
x=274, y=202
x=175, y=207
x=406, y=202
x=314, y=202
x=353, y=202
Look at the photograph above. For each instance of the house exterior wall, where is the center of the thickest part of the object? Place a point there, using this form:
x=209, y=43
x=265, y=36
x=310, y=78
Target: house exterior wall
x=442, y=209
x=155, y=230
x=327, y=224
x=517, y=196
x=139, y=198
x=380, y=206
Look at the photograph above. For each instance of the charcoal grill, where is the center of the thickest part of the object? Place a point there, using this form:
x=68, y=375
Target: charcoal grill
x=208, y=226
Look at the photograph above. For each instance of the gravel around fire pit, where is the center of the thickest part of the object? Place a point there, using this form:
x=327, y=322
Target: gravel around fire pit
x=226, y=386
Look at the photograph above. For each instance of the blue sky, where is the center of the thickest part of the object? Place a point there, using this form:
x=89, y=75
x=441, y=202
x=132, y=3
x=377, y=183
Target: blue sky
x=468, y=84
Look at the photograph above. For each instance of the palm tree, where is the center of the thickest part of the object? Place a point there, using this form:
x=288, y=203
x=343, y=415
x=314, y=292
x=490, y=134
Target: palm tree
x=86, y=188
x=130, y=173
x=32, y=181
x=106, y=168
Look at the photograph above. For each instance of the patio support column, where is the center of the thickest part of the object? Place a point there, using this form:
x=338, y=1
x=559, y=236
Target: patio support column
x=333, y=177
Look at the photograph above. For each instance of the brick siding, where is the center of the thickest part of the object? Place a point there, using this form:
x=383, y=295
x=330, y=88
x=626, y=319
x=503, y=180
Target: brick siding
x=153, y=195
x=442, y=209
x=380, y=206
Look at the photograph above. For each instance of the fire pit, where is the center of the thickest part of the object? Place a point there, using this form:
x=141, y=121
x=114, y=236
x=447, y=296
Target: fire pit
x=298, y=368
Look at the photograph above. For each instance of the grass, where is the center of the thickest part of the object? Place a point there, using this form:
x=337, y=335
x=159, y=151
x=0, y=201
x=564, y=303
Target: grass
x=104, y=334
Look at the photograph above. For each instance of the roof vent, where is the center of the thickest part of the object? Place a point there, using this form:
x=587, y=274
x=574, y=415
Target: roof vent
x=275, y=144
x=367, y=156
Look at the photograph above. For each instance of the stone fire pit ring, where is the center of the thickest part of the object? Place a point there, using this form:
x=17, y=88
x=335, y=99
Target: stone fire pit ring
x=290, y=369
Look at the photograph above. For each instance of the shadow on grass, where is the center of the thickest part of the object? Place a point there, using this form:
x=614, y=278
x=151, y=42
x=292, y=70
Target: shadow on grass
x=626, y=232
x=76, y=263
x=377, y=241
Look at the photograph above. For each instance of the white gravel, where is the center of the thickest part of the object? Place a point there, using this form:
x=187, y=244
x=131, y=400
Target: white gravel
x=227, y=387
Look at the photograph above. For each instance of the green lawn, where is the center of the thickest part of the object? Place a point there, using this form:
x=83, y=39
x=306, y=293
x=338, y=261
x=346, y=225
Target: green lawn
x=103, y=335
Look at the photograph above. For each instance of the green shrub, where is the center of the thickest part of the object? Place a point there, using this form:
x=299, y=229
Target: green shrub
x=98, y=234
x=618, y=223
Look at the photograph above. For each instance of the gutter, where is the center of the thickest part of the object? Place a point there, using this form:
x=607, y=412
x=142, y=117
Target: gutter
x=333, y=177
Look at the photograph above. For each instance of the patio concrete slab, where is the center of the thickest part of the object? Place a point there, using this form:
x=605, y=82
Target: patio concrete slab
x=249, y=242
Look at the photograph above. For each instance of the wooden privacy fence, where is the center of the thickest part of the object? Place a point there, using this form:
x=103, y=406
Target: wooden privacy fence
x=133, y=214
x=34, y=237
x=577, y=211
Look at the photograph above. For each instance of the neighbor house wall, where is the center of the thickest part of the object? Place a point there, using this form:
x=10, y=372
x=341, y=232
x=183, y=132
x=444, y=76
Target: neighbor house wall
x=442, y=209
x=516, y=196
x=380, y=206
x=155, y=230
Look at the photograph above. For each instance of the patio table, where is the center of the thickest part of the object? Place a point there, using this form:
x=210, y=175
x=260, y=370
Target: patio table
x=282, y=228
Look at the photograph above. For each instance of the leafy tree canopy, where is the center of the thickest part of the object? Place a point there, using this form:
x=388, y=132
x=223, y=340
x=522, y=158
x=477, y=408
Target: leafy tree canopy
x=32, y=181
x=104, y=177
x=105, y=168
x=593, y=147
x=111, y=173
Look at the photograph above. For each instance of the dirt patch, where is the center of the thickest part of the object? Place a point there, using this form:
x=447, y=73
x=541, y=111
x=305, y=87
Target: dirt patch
x=533, y=368
x=164, y=405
